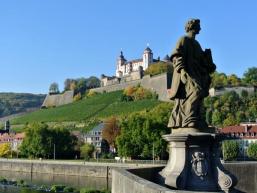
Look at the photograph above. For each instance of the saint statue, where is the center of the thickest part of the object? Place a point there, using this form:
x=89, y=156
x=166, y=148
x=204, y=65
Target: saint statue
x=191, y=79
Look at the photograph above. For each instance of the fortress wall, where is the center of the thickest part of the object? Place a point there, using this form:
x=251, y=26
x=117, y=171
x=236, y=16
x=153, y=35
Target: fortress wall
x=158, y=83
x=238, y=90
x=115, y=87
x=58, y=99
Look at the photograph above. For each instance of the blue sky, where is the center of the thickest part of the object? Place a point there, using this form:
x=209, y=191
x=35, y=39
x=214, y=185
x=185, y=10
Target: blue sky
x=48, y=41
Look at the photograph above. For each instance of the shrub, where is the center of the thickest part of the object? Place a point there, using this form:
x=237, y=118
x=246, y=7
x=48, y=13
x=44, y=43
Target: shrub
x=57, y=188
x=230, y=150
x=137, y=93
x=70, y=189
x=91, y=93
x=158, y=68
x=89, y=191
x=252, y=151
x=22, y=183
x=85, y=190
x=5, y=149
x=3, y=180
x=77, y=97
x=86, y=151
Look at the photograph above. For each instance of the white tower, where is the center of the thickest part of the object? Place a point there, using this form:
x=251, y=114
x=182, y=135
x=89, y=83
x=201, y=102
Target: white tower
x=120, y=65
x=147, y=58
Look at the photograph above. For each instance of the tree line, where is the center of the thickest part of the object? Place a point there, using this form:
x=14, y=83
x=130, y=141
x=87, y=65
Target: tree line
x=221, y=79
x=231, y=108
x=11, y=103
x=79, y=85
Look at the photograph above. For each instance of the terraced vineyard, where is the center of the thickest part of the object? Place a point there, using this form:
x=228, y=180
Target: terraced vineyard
x=99, y=106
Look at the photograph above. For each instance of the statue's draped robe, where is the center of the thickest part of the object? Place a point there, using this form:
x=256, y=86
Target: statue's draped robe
x=189, y=95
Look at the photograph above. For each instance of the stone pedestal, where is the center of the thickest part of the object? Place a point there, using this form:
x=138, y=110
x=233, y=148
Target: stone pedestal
x=194, y=163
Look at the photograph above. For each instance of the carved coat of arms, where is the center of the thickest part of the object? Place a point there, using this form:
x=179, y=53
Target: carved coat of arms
x=199, y=164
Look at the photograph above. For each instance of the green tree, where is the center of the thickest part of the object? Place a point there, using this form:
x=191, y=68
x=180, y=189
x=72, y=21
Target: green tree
x=40, y=141
x=64, y=142
x=67, y=84
x=86, y=151
x=230, y=120
x=252, y=151
x=93, y=82
x=81, y=86
x=230, y=149
x=250, y=76
x=54, y=88
x=233, y=80
x=219, y=79
x=142, y=131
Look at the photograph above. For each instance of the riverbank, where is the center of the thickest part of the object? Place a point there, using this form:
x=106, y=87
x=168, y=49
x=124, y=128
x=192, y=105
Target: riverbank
x=66, y=168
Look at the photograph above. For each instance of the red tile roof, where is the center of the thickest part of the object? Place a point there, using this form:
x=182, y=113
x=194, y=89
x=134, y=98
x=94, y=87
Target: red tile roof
x=246, y=132
x=10, y=137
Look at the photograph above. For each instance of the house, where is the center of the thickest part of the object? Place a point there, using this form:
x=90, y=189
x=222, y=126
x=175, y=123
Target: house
x=94, y=136
x=244, y=134
x=14, y=139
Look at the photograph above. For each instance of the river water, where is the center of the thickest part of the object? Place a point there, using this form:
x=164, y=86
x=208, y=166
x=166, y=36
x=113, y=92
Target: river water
x=50, y=179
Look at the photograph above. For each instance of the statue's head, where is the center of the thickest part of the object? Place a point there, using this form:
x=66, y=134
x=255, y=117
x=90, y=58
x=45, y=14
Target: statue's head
x=193, y=25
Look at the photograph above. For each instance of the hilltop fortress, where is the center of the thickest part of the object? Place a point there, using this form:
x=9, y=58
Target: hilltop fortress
x=132, y=69
x=125, y=67
x=131, y=73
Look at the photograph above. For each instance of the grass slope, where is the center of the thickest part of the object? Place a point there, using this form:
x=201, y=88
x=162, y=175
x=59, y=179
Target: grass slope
x=99, y=106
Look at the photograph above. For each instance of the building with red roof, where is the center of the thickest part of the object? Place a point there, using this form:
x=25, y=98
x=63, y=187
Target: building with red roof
x=245, y=134
x=15, y=139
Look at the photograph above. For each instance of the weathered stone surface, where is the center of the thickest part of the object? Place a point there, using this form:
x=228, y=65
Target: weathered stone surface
x=124, y=181
x=194, y=163
x=191, y=79
x=158, y=83
x=246, y=173
x=55, y=100
x=247, y=183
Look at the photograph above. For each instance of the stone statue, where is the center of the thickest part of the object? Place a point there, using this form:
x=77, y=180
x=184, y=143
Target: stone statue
x=191, y=79
x=194, y=162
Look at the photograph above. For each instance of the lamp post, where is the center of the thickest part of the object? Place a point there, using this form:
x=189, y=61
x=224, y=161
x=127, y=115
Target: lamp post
x=54, y=151
x=153, y=153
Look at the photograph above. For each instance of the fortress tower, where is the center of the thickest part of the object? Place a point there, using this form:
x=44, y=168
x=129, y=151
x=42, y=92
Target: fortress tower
x=121, y=67
x=147, y=58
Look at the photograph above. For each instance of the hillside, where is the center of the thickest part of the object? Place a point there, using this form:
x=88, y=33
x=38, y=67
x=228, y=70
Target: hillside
x=13, y=103
x=100, y=106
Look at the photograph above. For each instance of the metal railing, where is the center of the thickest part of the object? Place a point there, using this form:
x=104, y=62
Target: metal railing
x=92, y=161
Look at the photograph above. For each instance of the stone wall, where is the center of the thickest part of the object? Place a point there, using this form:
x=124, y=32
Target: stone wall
x=55, y=168
x=237, y=89
x=143, y=179
x=55, y=100
x=158, y=83
x=73, y=168
x=125, y=181
x=246, y=173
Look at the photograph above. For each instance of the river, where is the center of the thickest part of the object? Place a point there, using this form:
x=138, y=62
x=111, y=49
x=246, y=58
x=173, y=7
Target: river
x=50, y=179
